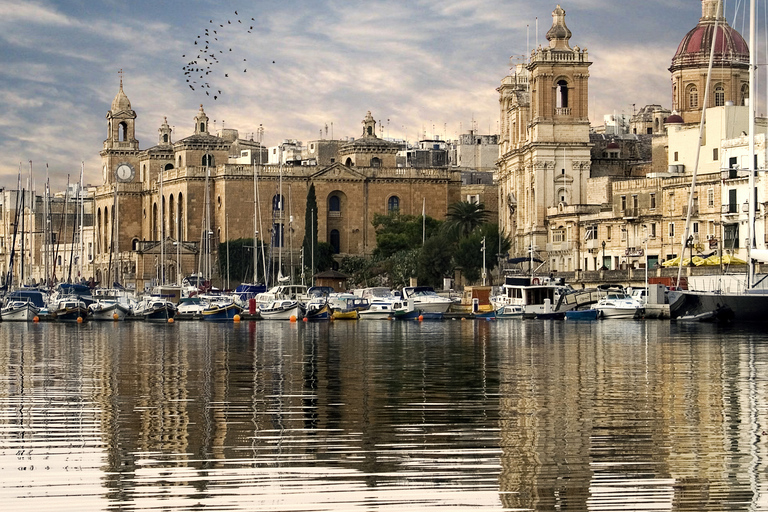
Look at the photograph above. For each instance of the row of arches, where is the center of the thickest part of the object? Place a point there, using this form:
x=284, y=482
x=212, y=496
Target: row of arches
x=172, y=215
x=718, y=96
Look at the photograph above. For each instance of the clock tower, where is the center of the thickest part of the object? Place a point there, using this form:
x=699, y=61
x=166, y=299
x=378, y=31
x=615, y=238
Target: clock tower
x=120, y=145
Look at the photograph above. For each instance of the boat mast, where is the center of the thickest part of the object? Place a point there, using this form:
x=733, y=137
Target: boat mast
x=686, y=231
x=81, y=207
x=752, y=105
x=46, y=224
x=162, y=231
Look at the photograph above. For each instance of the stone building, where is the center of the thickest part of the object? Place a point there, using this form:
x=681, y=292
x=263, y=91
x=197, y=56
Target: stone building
x=545, y=148
x=162, y=212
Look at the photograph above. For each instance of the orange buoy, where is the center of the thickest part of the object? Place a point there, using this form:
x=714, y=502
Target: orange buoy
x=293, y=318
x=304, y=319
x=236, y=318
x=36, y=319
x=79, y=319
x=170, y=320
x=421, y=318
x=115, y=316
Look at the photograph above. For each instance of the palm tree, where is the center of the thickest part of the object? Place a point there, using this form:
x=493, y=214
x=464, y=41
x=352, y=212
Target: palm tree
x=464, y=217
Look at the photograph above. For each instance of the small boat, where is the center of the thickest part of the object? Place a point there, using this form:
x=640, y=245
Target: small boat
x=430, y=315
x=109, y=310
x=19, y=311
x=279, y=310
x=191, y=308
x=383, y=310
x=582, y=314
x=221, y=311
x=69, y=309
x=155, y=309
x=406, y=311
x=485, y=314
x=551, y=315
x=509, y=311
x=318, y=313
x=617, y=304
x=426, y=299
x=345, y=314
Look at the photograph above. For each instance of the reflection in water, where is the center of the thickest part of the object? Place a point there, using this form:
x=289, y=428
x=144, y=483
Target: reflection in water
x=523, y=415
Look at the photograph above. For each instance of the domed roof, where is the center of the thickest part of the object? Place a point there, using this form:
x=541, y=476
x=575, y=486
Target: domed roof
x=613, y=145
x=730, y=47
x=674, y=119
x=121, y=101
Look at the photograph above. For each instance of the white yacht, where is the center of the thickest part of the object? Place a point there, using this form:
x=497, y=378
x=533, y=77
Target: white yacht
x=426, y=299
x=617, y=304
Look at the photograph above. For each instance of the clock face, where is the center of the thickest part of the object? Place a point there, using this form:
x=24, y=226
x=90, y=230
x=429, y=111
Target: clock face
x=124, y=172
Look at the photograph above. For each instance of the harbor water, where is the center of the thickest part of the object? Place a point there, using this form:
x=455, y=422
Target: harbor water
x=383, y=415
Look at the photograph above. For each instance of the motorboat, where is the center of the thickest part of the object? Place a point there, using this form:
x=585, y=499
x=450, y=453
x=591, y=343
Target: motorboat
x=280, y=310
x=536, y=295
x=19, y=311
x=406, y=310
x=617, y=304
x=509, y=311
x=346, y=306
x=155, y=309
x=191, y=308
x=323, y=312
x=378, y=310
x=426, y=299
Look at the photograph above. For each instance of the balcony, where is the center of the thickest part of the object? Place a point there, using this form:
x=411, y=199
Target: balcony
x=334, y=213
x=730, y=209
x=562, y=111
x=694, y=211
x=558, y=246
x=593, y=244
x=630, y=213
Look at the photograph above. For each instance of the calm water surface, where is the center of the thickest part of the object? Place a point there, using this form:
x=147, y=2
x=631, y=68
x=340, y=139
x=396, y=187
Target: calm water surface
x=376, y=415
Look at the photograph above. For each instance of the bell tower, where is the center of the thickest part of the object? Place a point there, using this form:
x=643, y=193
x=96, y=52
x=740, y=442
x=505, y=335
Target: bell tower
x=121, y=145
x=545, y=160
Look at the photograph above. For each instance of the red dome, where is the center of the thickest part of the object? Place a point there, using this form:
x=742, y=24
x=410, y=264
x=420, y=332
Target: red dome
x=730, y=47
x=674, y=119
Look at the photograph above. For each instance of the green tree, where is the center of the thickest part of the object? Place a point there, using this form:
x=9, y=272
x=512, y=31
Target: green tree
x=324, y=257
x=463, y=218
x=310, y=230
x=396, y=232
x=469, y=253
x=435, y=260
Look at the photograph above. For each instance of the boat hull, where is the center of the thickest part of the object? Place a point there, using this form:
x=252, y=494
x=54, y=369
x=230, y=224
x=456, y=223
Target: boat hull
x=71, y=314
x=221, y=313
x=108, y=313
x=582, y=314
x=161, y=314
x=22, y=313
x=284, y=312
x=618, y=312
x=719, y=307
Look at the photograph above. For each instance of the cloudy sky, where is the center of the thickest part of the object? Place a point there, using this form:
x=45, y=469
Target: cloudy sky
x=421, y=67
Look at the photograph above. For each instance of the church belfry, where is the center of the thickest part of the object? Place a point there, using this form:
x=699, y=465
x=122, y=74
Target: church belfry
x=201, y=122
x=121, y=145
x=545, y=160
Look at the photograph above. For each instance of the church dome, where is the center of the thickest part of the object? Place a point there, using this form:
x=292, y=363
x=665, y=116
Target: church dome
x=121, y=101
x=674, y=119
x=693, y=51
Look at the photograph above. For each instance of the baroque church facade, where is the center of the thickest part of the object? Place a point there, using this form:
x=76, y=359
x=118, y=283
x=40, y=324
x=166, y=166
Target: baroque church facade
x=162, y=212
x=580, y=218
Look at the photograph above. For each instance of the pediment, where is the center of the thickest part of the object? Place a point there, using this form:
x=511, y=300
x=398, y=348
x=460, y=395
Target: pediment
x=337, y=172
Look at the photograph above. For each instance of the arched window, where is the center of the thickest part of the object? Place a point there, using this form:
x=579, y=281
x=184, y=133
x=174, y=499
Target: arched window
x=393, y=204
x=369, y=130
x=277, y=234
x=335, y=240
x=334, y=204
x=101, y=231
x=719, y=95
x=165, y=138
x=692, y=94
x=202, y=127
x=348, y=162
x=122, y=132
x=135, y=244
x=375, y=162
x=168, y=167
x=208, y=161
x=171, y=217
x=181, y=217
x=744, y=95
x=155, y=232
x=179, y=161
x=107, y=231
x=562, y=94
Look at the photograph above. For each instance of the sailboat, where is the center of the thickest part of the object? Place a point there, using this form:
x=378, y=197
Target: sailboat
x=747, y=304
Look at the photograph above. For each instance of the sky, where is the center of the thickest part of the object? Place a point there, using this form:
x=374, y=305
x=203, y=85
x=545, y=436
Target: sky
x=423, y=68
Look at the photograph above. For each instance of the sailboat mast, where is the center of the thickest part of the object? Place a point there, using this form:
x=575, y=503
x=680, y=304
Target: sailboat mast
x=752, y=106
x=81, y=207
x=162, y=231
x=46, y=224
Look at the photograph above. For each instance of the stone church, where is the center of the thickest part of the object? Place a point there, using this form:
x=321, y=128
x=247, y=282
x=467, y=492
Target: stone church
x=162, y=212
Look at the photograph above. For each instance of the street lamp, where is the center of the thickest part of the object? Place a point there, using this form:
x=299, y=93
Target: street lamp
x=483, y=249
x=603, y=267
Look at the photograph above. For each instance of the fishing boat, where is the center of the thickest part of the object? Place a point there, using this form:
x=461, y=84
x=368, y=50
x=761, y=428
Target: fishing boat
x=109, y=309
x=406, y=310
x=191, y=308
x=219, y=311
x=155, y=309
x=19, y=311
x=318, y=313
x=280, y=310
x=536, y=295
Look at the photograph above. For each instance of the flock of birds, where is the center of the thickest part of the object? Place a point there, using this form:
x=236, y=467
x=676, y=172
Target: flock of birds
x=201, y=69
